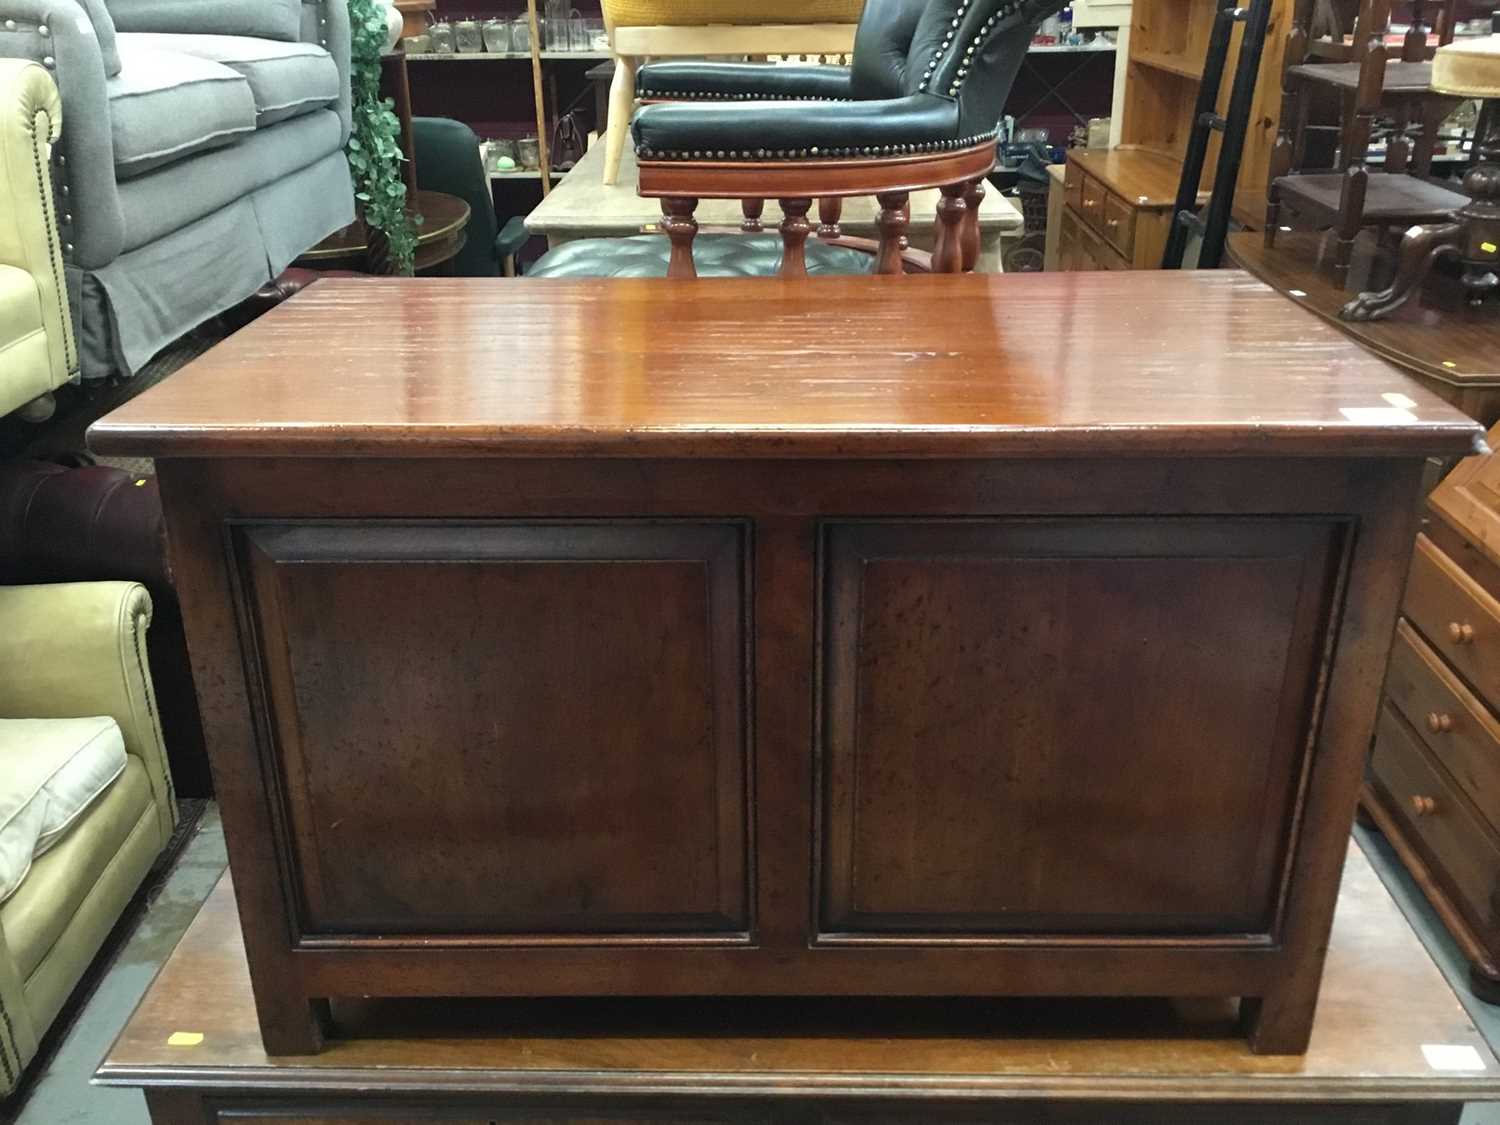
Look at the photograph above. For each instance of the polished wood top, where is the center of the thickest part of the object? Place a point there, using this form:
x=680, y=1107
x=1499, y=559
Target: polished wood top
x=1142, y=176
x=1382, y=1000
x=1174, y=364
x=1437, y=334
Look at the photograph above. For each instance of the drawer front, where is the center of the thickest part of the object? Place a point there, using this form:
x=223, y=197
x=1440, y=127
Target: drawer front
x=1073, y=178
x=1119, y=224
x=1081, y=250
x=1457, y=728
x=1436, y=817
x=1457, y=616
x=1092, y=205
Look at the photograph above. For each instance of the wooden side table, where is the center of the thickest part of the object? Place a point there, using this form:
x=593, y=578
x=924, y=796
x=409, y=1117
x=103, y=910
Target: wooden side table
x=441, y=234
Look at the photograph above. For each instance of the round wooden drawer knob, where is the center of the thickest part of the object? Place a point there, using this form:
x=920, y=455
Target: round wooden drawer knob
x=1460, y=634
x=1423, y=806
x=1439, y=724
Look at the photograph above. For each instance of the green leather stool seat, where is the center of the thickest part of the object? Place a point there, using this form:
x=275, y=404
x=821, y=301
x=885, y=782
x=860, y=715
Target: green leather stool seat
x=715, y=255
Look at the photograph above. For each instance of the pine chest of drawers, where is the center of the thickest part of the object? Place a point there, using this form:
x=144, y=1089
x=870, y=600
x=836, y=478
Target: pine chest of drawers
x=1434, y=778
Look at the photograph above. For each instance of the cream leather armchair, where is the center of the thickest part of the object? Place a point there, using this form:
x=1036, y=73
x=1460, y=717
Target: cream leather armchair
x=37, y=350
x=72, y=651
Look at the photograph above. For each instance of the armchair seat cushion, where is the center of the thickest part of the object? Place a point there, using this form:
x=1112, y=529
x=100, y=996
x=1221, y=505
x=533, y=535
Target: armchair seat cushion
x=165, y=105
x=798, y=130
x=53, y=769
x=714, y=255
x=696, y=13
x=286, y=79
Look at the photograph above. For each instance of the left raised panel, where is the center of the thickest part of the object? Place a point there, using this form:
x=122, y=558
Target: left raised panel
x=505, y=729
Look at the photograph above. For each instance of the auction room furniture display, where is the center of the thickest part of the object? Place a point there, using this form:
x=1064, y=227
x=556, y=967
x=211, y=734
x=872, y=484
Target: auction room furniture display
x=1119, y=203
x=808, y=1062
x=1434, y=786
x=581, y=207
x=916, y=108
x=664, y=29
x=637, y=638
x=203, y=152
x=39, y=351
x=86, y=800
x=1351, y=196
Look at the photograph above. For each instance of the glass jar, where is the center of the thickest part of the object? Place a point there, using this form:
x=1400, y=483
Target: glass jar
x=496, y=36
x=419, y=44
x=556, y=34
x=441, y=34
x=520, y=35
x=529, y=153
x=467, y=38
x=578, y=32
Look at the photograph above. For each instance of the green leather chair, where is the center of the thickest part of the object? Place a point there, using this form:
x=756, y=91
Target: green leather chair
x=448, y=160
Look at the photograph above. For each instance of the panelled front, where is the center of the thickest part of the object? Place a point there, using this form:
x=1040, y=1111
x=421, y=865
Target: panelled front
x=506, y=728
x=1065, y=726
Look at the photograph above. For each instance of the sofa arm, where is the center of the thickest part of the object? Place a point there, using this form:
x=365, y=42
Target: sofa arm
x=79, y=648
x=326, y=22
x=58, y=34
x=30, y=121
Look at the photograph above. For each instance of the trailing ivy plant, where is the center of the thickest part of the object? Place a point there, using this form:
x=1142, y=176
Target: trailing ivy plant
x=374, y=148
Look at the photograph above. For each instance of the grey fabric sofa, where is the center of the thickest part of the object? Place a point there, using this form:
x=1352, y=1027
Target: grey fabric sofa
x=201, y=151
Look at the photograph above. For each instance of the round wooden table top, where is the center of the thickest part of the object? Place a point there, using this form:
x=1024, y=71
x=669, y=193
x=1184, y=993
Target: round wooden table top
x=440, y=235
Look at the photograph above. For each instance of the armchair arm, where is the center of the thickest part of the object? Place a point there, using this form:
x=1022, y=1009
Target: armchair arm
x=721, y=81
x=79, y=648
x=326, y=22
x=18, y=1036
x=93, y=225
x=30, y=121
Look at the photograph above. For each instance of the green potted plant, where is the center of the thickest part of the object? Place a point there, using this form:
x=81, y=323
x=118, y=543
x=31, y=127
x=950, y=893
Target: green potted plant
x=374, y=148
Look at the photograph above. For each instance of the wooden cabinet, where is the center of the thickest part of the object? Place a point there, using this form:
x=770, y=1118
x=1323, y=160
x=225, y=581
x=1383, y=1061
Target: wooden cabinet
x=916, y=665
x=1117, y=208
x=1434, y=779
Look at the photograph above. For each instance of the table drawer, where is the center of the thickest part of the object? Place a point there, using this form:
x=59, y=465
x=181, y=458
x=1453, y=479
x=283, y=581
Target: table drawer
x=1119, y=223
x=1458, y=617
x=1437, y=817
x=1458, y=729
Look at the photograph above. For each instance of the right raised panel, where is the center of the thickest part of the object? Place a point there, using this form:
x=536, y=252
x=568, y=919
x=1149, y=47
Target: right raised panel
x=1066, y=727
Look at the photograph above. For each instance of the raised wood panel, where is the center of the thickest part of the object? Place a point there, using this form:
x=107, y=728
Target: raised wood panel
x=1111, y=717
x=506, y=728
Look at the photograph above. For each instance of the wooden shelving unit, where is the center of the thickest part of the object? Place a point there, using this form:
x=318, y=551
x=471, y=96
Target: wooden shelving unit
x=1168, y=43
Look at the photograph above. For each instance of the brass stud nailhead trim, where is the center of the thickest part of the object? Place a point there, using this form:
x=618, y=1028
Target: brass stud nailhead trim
x=815, y=152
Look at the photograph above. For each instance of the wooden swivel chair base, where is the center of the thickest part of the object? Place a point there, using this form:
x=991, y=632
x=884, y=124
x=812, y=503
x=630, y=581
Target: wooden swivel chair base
x=795, y=184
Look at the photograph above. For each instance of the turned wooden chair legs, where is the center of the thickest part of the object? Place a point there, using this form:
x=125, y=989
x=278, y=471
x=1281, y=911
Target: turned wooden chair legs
x=891, y=222
x=677, y=220
x=957, y=245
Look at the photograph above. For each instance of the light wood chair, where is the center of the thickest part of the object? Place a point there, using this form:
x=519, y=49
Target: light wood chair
x=667, y=29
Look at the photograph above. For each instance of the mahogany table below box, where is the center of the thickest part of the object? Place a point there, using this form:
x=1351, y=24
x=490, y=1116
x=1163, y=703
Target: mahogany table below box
x=981, y=636
x=943, y=1062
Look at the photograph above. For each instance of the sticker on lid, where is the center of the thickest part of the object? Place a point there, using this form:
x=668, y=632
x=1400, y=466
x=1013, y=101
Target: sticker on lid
x=1396, y=398
x=1377, y=415
x=1452, y=1056
x=193, y=1038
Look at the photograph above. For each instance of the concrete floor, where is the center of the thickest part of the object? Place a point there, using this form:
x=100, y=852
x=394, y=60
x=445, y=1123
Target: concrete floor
x=63, y=1095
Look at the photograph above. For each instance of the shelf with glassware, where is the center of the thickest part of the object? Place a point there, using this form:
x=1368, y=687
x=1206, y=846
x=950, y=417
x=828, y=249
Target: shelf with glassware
x=502, y=102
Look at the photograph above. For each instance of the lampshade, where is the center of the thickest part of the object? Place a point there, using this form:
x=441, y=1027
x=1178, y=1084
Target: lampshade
x=1468, y=69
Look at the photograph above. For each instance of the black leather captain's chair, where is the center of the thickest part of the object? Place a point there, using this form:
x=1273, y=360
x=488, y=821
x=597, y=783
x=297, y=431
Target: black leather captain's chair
x=917, y=108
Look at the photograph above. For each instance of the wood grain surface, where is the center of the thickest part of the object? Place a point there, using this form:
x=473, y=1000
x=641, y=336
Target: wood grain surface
x=1068, y=364
x=1383, y=999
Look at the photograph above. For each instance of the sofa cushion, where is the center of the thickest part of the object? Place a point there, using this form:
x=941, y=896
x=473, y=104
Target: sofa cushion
x=164, y=106
x=53, y=770
x=286, y=79
x=268, y=19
